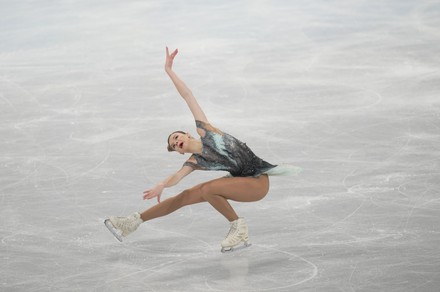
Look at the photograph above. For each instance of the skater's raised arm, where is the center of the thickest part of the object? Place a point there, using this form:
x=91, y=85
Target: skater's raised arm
x=166, y=183
x=183, y=90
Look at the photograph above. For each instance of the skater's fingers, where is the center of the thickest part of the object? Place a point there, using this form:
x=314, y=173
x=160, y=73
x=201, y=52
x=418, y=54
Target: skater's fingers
x=148, y=196
x=173, y=54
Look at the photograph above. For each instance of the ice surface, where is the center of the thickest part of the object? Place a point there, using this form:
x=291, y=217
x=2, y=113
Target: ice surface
x=348, y=90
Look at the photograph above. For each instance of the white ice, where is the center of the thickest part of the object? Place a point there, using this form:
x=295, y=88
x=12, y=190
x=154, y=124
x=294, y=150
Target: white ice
x=347, y=89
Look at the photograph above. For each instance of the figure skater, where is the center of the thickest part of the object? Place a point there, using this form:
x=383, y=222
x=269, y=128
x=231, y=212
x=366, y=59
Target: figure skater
x=215, y=150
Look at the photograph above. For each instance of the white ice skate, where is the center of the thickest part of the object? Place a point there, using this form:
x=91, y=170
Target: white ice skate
x=122, y=226
x=237, y=237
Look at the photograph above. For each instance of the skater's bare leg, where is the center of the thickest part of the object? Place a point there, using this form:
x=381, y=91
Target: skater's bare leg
x=216, y=192
x=185, y=198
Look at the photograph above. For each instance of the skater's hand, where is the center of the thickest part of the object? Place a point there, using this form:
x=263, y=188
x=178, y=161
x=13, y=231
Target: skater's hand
x=154, y=192
x=170, y=59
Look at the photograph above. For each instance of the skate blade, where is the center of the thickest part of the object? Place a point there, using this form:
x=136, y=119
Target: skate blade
x=235, y=248
x=112, y=229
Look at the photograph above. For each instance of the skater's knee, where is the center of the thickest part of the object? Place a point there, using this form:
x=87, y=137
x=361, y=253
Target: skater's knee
x=188, y=197
x=206, y=190
x=183, y=197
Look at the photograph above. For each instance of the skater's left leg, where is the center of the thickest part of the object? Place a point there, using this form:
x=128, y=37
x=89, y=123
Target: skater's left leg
x=240, y=189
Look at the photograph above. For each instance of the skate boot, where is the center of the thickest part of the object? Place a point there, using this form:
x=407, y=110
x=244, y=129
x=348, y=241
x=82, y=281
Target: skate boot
x=237, y=235
x=123, y=226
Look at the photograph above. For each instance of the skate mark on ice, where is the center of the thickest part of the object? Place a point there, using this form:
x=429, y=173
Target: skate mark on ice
x=151, y=270
x=310, y=275
x=96, y=166
x=183, y=235
x=19, y=87
x=313, y=274
x=7, y=101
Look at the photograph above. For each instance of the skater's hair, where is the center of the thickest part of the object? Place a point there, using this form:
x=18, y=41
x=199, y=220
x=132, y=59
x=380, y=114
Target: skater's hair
x=169, y=148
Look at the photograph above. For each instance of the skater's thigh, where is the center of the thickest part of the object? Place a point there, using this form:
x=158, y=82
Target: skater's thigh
x=241, y=189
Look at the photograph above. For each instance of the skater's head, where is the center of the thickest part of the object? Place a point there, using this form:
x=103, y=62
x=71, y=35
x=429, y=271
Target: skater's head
x=177, y=141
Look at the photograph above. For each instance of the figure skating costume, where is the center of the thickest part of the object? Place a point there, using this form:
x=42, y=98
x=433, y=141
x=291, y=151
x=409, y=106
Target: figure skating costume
x=221, y=151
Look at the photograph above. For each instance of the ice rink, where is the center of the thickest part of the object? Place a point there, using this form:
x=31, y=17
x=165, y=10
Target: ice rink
x=349, y=90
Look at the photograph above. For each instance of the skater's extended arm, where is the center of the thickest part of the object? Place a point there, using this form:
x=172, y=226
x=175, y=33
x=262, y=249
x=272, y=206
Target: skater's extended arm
x=166, y=183
x=183, y=90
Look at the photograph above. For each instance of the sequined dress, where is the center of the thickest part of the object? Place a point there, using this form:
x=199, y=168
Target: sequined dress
x=221, y=151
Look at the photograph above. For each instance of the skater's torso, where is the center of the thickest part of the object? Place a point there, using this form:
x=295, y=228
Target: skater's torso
x=221, y=151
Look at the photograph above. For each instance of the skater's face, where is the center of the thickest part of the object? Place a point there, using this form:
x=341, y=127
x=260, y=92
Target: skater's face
x=178, y=141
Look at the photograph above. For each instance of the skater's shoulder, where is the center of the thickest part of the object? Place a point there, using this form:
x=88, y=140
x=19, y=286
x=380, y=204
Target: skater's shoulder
x=204, y=127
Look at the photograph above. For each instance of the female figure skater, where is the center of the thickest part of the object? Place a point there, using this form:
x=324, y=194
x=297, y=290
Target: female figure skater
x=215, y=150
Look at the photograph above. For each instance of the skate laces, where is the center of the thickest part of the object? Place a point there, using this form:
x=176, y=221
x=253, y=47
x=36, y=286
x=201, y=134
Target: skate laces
x=128, y=223
x=233, y=229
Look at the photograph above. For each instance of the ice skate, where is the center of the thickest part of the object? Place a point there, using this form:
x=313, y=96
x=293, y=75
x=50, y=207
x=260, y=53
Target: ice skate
x=122, y=226
x=237, y=237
